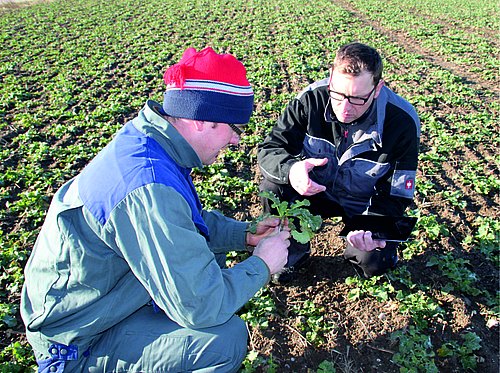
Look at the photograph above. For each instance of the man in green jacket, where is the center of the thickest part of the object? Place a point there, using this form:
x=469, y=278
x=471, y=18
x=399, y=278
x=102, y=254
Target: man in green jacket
x=128, y=272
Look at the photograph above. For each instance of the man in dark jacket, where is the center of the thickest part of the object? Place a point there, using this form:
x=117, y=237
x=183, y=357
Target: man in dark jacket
x=349, y=144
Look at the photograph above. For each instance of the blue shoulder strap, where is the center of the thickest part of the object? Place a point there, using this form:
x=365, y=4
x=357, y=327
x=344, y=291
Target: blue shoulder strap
x=132, y=160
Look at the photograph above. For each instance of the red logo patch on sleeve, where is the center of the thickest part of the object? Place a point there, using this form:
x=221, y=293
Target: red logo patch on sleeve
x=409, y=184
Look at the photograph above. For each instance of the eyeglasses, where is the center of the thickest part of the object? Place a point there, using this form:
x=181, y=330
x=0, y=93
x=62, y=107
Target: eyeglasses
x=353, y=100
x=238, y=128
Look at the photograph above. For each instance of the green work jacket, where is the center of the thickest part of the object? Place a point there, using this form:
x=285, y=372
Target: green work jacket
x=87, y=272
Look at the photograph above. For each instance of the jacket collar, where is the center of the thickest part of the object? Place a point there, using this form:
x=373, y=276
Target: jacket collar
x=151, y=122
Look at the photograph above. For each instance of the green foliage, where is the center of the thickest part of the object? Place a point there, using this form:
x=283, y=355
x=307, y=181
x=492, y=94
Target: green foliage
x=486, y=238
x=218, y=188
x=472, y=173
x=463, y=350
x=430, y=225
x=253, y=362
x=308, y=223
x=420, y=306
x=16, y=358
x=374, y=286
x=258, y=309
x=457, y=271
x=311, y=321
x=415, y=351
x=326, y=367
x=455, y=198
x=7, y=312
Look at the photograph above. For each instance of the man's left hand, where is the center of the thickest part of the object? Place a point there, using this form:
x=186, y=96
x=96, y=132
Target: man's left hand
x=265, y=228
x=363, y=241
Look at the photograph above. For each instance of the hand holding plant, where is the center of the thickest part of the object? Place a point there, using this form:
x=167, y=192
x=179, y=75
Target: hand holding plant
x=288, y=214
x=273, y=250
x=263, y=229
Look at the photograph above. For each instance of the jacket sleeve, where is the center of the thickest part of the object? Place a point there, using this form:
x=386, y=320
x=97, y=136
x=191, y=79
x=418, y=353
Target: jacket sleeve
x=225, y=233
x=395, y=191
x=283, y=146
x=153, y=231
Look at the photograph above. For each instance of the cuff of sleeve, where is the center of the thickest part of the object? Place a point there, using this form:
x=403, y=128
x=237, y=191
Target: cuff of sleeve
x=285, y=170
x=260, y=267
x=240, y=234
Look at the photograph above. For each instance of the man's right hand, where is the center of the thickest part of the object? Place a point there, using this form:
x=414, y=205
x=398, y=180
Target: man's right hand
x=273, y=250
x=299, y=176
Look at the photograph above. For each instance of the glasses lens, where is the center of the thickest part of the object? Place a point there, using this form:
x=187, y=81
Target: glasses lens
x=357, y=101
x=336, y=96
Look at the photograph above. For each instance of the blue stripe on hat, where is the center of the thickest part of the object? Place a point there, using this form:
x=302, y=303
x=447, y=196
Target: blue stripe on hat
x=215, y=86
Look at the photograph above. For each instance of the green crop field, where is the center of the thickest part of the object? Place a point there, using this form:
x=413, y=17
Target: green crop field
x=73, y=72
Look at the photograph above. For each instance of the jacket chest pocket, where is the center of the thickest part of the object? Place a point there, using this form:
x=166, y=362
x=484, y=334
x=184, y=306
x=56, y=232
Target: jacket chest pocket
x=319, y=148
x=359, y=176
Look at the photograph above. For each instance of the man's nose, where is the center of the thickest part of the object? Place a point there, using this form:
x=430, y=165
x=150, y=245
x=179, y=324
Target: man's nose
x=235, y=139
x=345, y=104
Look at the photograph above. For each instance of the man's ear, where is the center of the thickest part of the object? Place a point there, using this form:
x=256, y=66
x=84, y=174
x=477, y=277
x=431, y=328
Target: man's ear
x=198, y=125
x=380, y=84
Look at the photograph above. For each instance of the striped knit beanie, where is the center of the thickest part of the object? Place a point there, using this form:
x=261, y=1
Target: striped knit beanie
x=208, y=86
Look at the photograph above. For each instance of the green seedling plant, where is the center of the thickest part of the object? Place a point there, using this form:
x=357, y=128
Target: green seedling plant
x=456, y=270
x=465, y=350
x=419, y=306
x=258, y=309
x=486, y=238
x=415, y=353
x=373, y=286
x=326, y=366
x=311, y=321
x=309, y=224
x=430, y=225
x=15, y=358
x=455, y=198
x=255, y=363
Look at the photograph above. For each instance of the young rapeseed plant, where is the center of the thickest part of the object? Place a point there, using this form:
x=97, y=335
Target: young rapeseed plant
x=309, y=224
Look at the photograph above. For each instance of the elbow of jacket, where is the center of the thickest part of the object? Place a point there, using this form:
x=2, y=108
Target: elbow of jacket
x=200, y=320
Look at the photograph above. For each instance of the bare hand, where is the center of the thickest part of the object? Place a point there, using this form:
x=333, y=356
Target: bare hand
x=363, y=241
x=299, y=176
x=265, y=228
x=273, y=250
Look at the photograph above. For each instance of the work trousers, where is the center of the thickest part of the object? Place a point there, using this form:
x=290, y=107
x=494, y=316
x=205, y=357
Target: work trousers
x=149, y=342
x=368, y=263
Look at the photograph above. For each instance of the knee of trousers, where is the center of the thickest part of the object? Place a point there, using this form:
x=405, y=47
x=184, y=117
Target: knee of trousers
x=373, y=263
x=233, y=341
